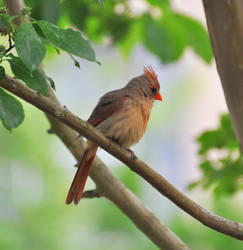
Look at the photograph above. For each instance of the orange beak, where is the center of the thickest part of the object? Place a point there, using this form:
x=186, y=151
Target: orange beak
x=158, y=97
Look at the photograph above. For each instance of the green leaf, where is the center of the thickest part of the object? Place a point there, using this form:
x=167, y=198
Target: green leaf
x=79, y=12
x=30, y=48
x=98, y=22
x=165, y=38
x=76, y=63
x=11, y=111
x=206, y=167
x=197, y=35
x=2, y=74
x=34, y=80
x=221, y=160
x=2, y=49
x=48, y=10
x=209, y=140
x=193, y=185
x=223, y=137
x=5, y=23
x=49, y=79
x=52, y=83
x=69, y=40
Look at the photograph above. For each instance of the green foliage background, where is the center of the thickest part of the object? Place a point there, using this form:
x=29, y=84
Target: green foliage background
x=32, y=180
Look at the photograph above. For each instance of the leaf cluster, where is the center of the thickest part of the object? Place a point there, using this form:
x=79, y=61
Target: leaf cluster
x=30, y=39
x=160, y=29
x=221, y=160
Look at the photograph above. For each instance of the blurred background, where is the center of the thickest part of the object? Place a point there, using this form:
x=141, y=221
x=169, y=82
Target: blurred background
x=36, y=169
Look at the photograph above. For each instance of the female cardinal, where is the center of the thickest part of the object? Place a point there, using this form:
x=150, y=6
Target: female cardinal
x=122, y=115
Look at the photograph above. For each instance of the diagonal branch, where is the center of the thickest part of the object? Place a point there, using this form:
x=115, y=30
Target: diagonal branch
x=106, y=183
x=115, y=191
x=233, y=229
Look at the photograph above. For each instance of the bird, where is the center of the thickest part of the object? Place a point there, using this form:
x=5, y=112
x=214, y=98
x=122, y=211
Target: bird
x=122, y=115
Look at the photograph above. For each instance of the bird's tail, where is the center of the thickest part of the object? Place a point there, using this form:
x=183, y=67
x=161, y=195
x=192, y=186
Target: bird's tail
x=76, y=190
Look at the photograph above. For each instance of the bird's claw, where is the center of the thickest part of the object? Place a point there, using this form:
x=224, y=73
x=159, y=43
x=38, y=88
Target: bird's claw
x=78, y=136
x=133, y=156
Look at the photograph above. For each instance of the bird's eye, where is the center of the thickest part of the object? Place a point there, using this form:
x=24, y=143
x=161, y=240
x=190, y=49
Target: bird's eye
x=154, y=90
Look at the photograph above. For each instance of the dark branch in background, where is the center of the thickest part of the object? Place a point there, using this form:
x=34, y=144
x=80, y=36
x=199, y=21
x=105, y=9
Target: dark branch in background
x=225, y=25
x=43, y=103
x=14, y=7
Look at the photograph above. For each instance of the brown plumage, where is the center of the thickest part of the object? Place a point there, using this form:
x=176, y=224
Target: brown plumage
x=122, y=115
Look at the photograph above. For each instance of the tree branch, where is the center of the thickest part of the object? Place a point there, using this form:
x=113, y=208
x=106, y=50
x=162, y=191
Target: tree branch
x=91, y=194
x=225, y=25
x=113, y=189
x=14, y=7
x=45, y=104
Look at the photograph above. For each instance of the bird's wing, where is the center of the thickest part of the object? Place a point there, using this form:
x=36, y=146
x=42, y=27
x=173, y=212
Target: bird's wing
x=108, y=104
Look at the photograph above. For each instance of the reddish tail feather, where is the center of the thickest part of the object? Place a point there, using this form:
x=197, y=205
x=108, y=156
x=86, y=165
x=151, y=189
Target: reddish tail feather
x=76, y=190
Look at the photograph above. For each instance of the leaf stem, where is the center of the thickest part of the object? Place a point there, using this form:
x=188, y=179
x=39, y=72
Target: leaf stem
x=11, y=46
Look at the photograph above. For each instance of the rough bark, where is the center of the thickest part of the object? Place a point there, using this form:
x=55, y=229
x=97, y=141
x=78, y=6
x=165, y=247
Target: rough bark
x=225, y=25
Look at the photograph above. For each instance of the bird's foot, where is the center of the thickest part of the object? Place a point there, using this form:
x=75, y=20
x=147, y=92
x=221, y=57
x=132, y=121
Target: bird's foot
x=78, y=136
x=133, y=156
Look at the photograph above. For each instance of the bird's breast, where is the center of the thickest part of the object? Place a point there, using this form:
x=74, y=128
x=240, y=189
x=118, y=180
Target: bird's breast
x=127, y=126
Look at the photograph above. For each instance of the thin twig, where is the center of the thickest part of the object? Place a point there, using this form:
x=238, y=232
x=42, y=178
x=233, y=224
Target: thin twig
x=91, y=194
x=11, y=46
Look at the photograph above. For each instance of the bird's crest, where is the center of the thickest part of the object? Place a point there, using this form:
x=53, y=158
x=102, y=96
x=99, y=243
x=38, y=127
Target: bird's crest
x=148, y=70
